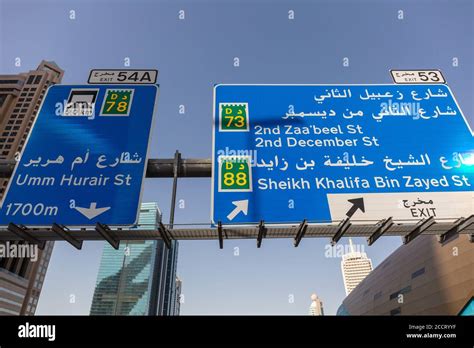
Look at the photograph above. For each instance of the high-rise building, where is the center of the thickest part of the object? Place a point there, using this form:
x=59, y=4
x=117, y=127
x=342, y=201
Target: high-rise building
x=179, y=286
x=170, y=292
x=355, y=267
x=423, y=277
x=316, y=307
x=125, y=276
x=21, y=280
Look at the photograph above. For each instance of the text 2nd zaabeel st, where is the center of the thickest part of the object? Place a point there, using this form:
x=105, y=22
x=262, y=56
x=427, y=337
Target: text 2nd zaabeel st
x=312, y=130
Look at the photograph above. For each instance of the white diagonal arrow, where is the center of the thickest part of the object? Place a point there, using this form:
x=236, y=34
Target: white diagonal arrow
x=240, y=206
x=92, y=211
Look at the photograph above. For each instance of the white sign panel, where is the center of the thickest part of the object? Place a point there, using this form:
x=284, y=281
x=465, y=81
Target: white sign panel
x=417, y=76
x=123, y=76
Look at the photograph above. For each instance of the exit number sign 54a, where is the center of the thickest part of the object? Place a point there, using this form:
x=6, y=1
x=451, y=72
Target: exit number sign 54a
x=123, y=76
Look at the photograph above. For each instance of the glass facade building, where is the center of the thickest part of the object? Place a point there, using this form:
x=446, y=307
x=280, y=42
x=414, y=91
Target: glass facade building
x=124, y=281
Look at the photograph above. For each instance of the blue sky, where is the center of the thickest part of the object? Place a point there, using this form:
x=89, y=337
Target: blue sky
x=192, y=55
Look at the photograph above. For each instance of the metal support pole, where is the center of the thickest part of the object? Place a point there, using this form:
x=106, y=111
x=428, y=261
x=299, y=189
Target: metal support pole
x=262, y=231
x=161, y=253
x=105, y=232
x=459, y=225
x=300, y=234
x=176, y=166
x=24, y=233
x=342, y=228
x=62, y=231
x=383, y=226
x=420, y=227
x=452, y=231
x=221, y=237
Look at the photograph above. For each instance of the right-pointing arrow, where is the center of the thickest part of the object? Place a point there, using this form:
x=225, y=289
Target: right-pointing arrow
x=357, y=203
x=240, y=206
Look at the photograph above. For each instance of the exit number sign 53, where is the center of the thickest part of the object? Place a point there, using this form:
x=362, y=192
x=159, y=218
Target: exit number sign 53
x=417, y=76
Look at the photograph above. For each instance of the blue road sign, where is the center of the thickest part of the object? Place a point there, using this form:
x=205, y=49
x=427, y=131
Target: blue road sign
x=85, y=159
x=284, y=153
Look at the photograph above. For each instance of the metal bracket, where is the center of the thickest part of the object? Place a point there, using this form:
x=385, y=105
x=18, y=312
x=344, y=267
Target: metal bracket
x=164, y=233
x=62, y=231
x=342, y=228
x=467, y=223
x=105, y=232
x=452, y=231
x=300, y=233
x=262, y=232
x=383, y=226
x=221, y=237
x=459, y=225
x=23, y=232
x=419, y=229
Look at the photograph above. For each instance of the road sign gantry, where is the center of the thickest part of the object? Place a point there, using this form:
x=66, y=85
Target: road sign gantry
x=288, y=153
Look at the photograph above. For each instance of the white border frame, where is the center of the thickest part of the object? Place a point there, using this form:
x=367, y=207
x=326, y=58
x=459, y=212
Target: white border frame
x=417, y=83
x=90, y=82
x=101, y=114
x=249, y=162
x=234, y=130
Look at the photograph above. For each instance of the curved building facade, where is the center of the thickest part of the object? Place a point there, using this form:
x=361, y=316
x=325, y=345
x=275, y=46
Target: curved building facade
x=423, y=277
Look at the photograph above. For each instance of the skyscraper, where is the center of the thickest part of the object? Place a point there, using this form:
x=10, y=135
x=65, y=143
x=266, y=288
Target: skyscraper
x=21, y=95
x=355, y=267
x=316, y=307
x=125, y=275
x=179, y=286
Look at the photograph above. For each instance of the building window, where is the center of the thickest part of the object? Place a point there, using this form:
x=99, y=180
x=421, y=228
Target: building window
x=402, y=291
x=24, y=268
x=396, y=311
x=30, y=80
x=378, y=295
x=38, y=79
x=418, y=273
